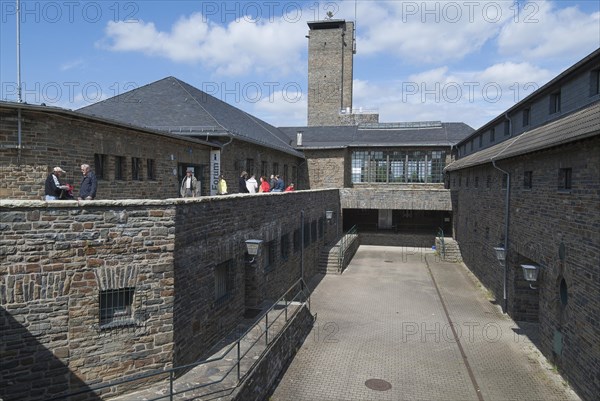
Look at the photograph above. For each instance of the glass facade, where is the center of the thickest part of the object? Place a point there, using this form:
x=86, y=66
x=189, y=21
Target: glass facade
x=398, y=166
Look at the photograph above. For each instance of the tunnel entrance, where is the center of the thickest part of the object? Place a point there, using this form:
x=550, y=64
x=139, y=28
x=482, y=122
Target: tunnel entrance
x=398, y=227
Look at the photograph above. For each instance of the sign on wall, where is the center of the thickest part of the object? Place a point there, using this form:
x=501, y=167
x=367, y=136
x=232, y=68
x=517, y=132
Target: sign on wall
x=215, y=170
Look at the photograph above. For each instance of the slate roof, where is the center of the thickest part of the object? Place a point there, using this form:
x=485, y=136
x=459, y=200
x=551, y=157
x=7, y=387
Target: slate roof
x=582, y=124
x=171, y=105
x=380, y=135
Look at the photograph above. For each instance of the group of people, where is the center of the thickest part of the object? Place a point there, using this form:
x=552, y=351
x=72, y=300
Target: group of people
x=55, y=189
x=190, y=186
x=248, y=184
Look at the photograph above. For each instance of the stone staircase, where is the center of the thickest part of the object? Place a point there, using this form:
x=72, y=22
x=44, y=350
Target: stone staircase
x=328, y=260
x=452, y=250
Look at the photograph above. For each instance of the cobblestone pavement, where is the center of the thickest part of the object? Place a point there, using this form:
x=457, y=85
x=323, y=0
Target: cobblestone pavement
x=388, y=318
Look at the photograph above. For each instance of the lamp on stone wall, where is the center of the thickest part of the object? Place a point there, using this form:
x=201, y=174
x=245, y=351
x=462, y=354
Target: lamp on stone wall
x=252, y=247
x=329, y=214
x=500, y=254
x=531, y=272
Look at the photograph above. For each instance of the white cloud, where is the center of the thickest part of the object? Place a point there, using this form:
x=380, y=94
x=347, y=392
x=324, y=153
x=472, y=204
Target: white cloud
x=239, y=48
x=70, y=65
x=431, y=32
x=544, y=31
x=282, y=108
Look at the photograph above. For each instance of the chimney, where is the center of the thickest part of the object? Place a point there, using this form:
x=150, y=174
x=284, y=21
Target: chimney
x=299, y=138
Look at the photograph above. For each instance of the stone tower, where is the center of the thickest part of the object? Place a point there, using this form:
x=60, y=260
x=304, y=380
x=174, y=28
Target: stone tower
x=331, y=49
x=330, y=53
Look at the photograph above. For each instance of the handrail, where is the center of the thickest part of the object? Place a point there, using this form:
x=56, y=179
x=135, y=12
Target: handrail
x=343, y=244
x=441, y=237
x=287, y=301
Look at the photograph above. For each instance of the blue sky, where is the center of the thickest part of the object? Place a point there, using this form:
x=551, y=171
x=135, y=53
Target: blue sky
x=416, y=60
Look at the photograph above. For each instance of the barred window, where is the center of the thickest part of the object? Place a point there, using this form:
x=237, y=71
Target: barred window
x=150, y=169
x=100, y=167
x=120, y=166
x=264, y=167
x=528, y=179
x=321, y=227
x=269, y=255
x=223, y=281
x=565, y=179
x=250, y=167
x=116, y=307
x=276, y=168
x=136, y=169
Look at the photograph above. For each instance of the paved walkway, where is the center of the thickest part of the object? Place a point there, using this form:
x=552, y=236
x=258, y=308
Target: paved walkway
x=383, y=332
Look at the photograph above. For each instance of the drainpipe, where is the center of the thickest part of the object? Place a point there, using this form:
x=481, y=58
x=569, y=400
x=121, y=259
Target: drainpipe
x=506, y=224
x=302, y=246
x=19, y=99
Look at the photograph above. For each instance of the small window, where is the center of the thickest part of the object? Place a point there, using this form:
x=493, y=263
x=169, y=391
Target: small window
x=116, y=307
x=564, y=179
x=555, y=103
x=285, y=246
x=595, y=82
x=269, y=255
x=471, y=145
x=313, y=230
x=120, y=166
x=526, y=113
x=100, y=166
x=150, y=169
x=506, y=128
x=136, y=169
x=492, y=134
x=276, y=168
x=264, y=169
x=250, y=167
x=297, y=240
x=480, y=141
x=528, y=179
x=488, y=181
x=223, y=281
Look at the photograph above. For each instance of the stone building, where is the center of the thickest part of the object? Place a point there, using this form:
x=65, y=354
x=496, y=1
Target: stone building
x=103, y=290
x=529, y=182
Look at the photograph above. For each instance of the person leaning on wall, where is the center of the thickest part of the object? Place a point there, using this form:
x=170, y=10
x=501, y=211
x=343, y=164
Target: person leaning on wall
x=89, y=184
x=53, y=186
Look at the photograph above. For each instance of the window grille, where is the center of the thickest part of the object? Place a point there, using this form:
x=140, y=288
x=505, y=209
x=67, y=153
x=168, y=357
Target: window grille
x=565, y=179
x=150, y=169
x=120, y=168
x=116, y=307
x=269, y=255
x=100, y=166
x=223, y=281
x=136, y=169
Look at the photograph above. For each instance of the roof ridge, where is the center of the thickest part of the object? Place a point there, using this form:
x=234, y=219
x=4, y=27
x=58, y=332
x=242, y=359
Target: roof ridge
x=179, y=82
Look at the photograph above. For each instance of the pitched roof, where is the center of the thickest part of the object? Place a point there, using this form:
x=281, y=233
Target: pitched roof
x=377, y=135
x=174, y=106
x=582, y=124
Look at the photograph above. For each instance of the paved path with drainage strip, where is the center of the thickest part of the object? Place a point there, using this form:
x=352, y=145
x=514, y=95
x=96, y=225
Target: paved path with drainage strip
x=383, y=332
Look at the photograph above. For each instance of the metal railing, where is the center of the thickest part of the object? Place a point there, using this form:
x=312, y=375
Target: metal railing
x=440, y=235
x=298, y=298
x=343, y=243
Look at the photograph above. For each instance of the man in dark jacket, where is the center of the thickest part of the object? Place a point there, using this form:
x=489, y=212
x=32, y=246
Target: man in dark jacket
x=89, y=183
x=243, y=189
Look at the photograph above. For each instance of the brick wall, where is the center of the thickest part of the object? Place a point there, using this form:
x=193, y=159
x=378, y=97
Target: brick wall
x=55, y=138
x=58, y=259
x=559, y=230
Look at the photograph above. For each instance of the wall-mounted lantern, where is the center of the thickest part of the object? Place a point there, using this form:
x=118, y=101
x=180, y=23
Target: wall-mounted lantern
x=531, y=272
x=500, y=254
x=253, y=247
x=329, y=214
